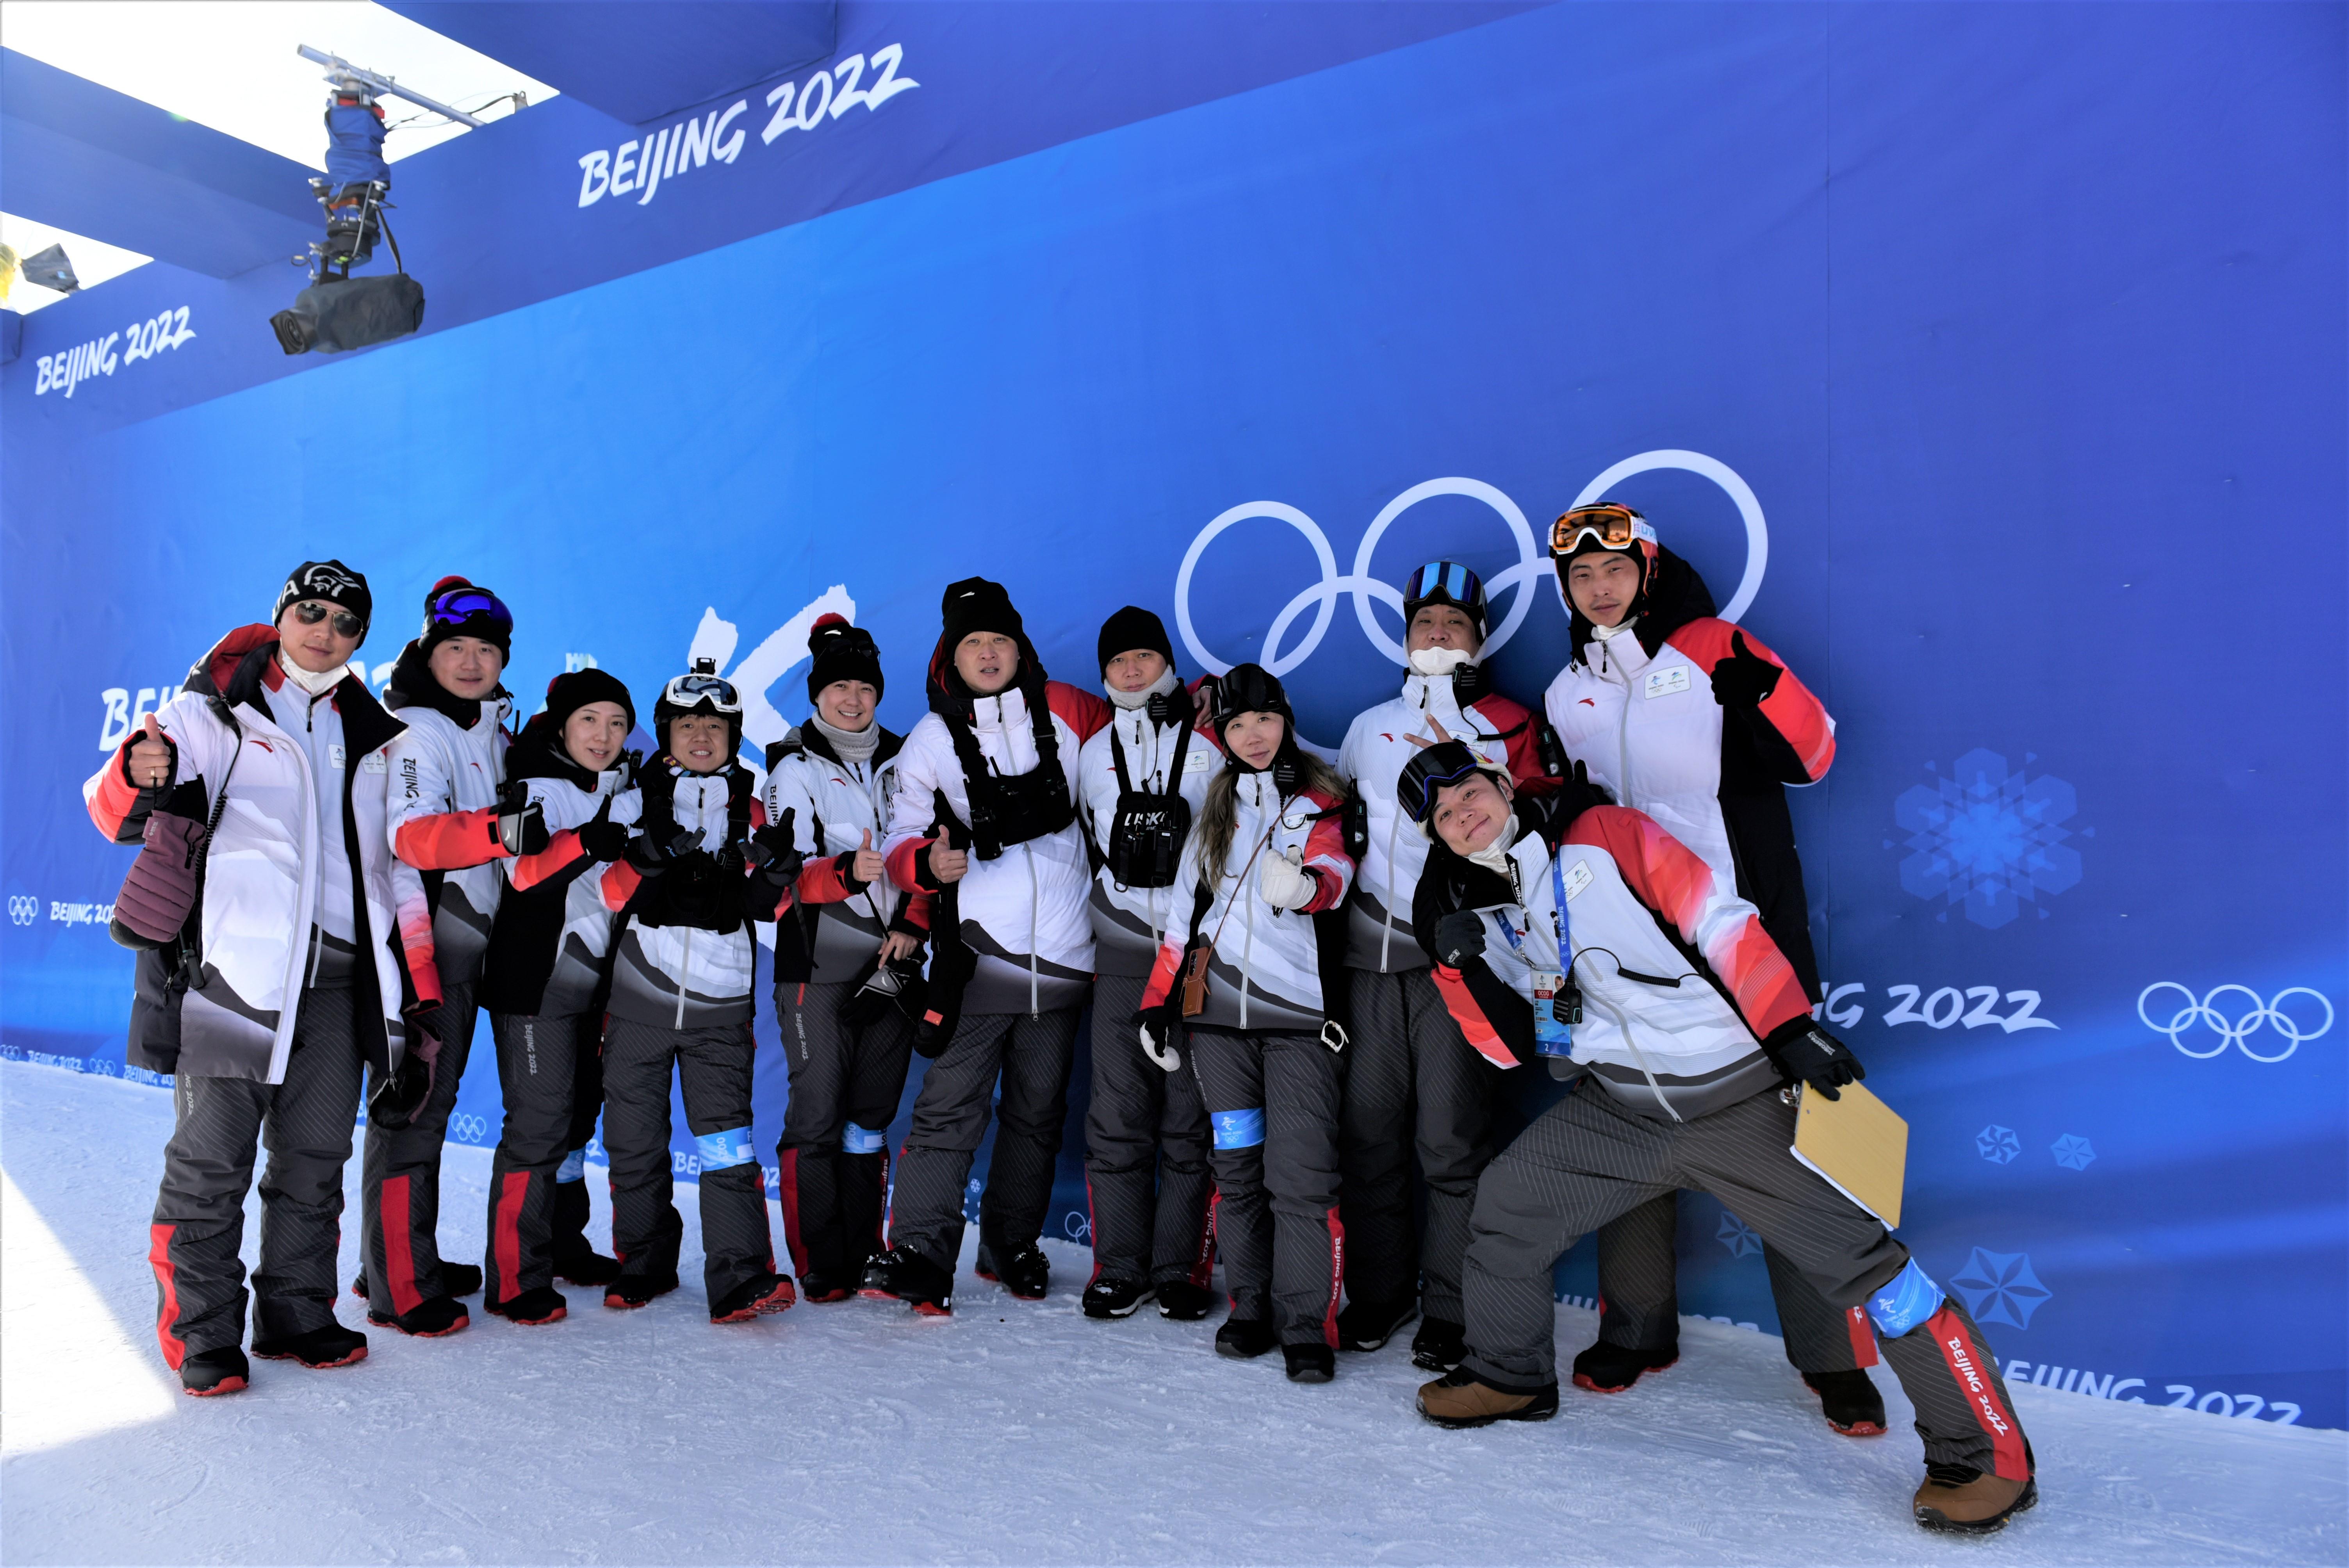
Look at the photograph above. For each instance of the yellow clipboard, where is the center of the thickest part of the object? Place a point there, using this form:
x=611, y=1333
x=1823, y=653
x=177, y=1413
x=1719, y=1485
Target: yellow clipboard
x=1857, y=1145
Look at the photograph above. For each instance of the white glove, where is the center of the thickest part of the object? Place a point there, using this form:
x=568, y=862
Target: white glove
x=1286, y=883
x=1161, y=1050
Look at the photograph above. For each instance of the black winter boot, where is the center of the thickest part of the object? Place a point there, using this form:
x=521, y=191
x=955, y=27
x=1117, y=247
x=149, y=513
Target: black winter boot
x=1245, y=1338
x=1368, y=1325
x=1850, y=1401
x=1025, y=1273
x=629, y=1291
x=1309, y=1363
x=208, y=1372
x=575, y=1257
x=755, y=1297
x=1182, y=1302
x=332, y=1346
x=1611, y=1368
x=901, y=1274
x=435, y=1317
x=533, y=1307
x=1439, y=1346
x=456, y=1279
x=821, y=1288
x=1116, y=1298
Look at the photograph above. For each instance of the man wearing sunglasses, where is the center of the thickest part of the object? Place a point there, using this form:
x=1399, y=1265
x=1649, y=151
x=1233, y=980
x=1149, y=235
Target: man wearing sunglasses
x=292, y=976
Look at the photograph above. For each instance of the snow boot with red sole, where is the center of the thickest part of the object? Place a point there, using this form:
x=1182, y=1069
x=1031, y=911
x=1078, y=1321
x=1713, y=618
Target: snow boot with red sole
x=901, y=1274
x=1850, y=1401
x=1026, y=1273
x=756, y=1297
x=1611, y=1368
x=209, y=1372
x=331, y=1346
x=821, y=1289
x=630, y=1292
x=435, y=1318
x=533, y=1308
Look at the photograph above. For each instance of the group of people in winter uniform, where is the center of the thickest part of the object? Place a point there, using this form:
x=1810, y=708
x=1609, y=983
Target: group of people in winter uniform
x=1314, y=986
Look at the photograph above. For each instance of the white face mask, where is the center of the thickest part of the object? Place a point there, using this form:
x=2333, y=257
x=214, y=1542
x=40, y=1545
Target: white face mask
x=317, y=683
x=1608, y=633
x=1436, y=662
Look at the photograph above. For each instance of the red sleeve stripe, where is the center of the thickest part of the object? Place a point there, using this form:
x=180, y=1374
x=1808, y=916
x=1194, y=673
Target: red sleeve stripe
x=529, y=871
x=1081, y=710
x=449, y=841
x=620, y=882
x=1325, y=847
x=114, y=797
x=416, y=942
x=1475, y=1027
x=819, y=881
x=1759, y=976
x=1507, y=717
x=1161, y=976
x=1664, y=873
x=904, y=866
x=1790, y=707
x=917, y=911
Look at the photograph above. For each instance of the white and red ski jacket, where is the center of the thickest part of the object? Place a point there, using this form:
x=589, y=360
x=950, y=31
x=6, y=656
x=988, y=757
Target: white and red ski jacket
x=1679, y=983
x=1651, y=732
x=682, y=955
x=1130, y=922
x=551, y=943
x=301, y=850
x=445, y=775
x=1378, y=746
x=1265, y=975
x=829, y=930
x=1023, y=913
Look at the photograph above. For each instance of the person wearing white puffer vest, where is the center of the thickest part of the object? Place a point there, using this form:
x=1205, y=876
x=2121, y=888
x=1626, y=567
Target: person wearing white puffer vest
x=1409, y=1087
x=992, y=767
x=1146, y=1183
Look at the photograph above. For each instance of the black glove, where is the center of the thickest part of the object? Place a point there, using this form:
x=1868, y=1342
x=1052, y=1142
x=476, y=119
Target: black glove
x=521, y=821
x=1804, y=1053
x=1589, y=794
x=1744, y=677
x=603, y=838
x=400, y=1093
x=773, y=851
x=1459, y=936
x=661, y=845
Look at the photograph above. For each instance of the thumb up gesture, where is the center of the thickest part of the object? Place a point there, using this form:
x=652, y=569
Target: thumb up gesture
x=150, y=757
x=947, y=863
x=867, y=867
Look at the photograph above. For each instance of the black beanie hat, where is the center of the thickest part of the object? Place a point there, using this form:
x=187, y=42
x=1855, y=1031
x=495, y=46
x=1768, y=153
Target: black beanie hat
x=459, y=607
x=566, y=693
x=839, y=652
x=331, y=583
x=1130, y=628
x=975, y=604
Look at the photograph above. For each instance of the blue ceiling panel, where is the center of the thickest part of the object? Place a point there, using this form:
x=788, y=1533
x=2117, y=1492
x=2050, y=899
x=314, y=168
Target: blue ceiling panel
x=638, y=60
x=95, y=162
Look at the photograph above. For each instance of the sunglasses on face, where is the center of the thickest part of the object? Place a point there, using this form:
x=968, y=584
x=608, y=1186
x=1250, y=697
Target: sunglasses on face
x=309, y=612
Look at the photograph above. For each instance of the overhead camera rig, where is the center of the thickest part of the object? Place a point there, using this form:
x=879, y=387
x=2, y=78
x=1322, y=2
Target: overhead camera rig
x=338, y=312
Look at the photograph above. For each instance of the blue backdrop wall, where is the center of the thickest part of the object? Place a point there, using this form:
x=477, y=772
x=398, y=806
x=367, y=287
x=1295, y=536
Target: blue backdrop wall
x=1990, y=358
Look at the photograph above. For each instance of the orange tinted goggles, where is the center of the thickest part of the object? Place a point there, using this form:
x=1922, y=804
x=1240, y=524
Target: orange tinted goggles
x=1614, y=527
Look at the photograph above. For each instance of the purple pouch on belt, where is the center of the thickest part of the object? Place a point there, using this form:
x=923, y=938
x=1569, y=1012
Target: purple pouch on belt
x=161, y=887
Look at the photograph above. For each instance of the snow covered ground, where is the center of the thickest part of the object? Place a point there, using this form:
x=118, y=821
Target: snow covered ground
x=1013, y=1433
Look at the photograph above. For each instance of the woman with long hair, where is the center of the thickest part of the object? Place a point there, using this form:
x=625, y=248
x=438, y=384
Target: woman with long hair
x=1240, y=972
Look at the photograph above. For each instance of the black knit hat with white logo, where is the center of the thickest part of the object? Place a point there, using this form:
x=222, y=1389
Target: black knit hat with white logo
x=329, y=582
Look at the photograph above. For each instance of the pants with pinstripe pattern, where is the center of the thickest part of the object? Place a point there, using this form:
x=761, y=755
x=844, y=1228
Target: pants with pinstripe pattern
x=1276, y=1222
x=1145, y=1152
x=843, y=1076
x=1588, y=1159
x=305, y=1124
x=399, y=1176
x=1414, y=1087
x=540, y=1063
x=1639, y=1296
x=712, y=1066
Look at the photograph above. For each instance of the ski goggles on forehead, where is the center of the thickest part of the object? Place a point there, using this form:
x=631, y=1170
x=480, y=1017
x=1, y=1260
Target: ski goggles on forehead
x=460, y=605
x=686, y=691
x=1440, y=581
x=309, y=612
x=1614, y=527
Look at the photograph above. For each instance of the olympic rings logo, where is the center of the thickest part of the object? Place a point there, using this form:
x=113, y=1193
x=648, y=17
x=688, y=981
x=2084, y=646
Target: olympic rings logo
x=22, y=908
x=1532, y=563
x=2235, y=1031
x=467, y=1128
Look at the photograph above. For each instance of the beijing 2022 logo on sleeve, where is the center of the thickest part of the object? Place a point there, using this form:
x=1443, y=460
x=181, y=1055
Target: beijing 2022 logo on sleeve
x=1532, y=563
